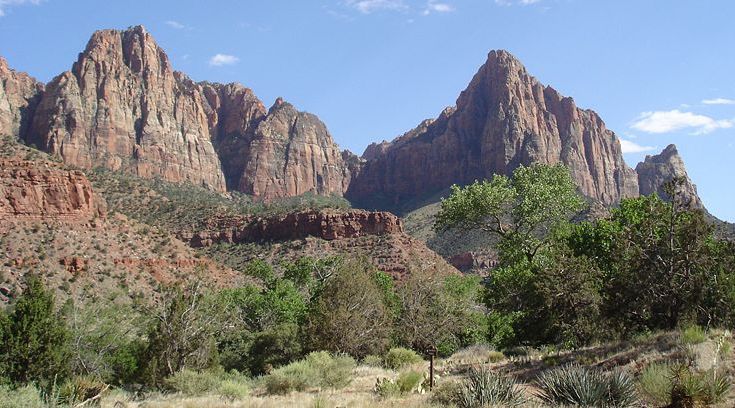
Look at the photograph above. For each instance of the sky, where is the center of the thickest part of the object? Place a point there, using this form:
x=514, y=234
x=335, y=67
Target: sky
x=656, y=71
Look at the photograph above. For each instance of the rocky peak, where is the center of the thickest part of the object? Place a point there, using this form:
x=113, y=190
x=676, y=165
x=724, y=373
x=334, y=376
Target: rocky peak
x=655, y=171
x=504, y=118
x=19, y=96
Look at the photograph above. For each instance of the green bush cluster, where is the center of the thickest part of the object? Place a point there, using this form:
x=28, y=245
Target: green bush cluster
x=399, y=357
x=317, y=370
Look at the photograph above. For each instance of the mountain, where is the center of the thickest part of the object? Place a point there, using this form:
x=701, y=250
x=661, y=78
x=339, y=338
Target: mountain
x=123, y=107
x=503, y=119
x=19, y=96
x=655, y=171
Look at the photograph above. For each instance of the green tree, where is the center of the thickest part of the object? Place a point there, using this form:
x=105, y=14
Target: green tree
x=350, y=315
x=34, y=338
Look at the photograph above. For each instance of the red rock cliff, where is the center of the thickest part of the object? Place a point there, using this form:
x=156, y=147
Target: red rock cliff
x=19, y=95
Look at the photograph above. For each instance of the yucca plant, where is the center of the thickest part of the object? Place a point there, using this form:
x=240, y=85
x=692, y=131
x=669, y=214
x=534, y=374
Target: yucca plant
x=485, y=388
x=584, y=387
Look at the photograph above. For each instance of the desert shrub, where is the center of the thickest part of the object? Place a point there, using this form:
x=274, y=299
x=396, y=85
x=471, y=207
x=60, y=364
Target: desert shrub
x=446, y=393
x=372, y=361
x=693, y=335
x=655, y=383
x=318, y=369
x=232, y=389
x=479, y=353
x=27, y=397
x=192, y=383
x=485, y=388
x=399, y=357
x=78, y=389
x=410, y=381
x=386, y=388
x=585, y=387
x=698, y=388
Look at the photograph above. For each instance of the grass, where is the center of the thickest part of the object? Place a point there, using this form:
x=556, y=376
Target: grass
x=693, y=335
x=654, y=383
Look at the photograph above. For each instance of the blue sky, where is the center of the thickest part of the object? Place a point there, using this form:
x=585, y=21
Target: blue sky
x=657, y=71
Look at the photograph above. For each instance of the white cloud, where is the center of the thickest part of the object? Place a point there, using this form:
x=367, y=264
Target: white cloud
x=4, y=4
x=673, y=120
x=435, y=7
x=369, y=6
x=630, y=147
x=175, y=24
x=518, y=2
x=719, y=101
x=223, y=59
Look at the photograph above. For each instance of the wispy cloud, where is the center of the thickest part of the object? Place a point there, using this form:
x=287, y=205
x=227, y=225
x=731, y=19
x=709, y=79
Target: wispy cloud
x=434, y=6
x=719, y=101
x=5, y=4
x=631, y=147
x=516, y=2
x=175, y=24
x=673, y=120
x=370, y=6
x=223, y=59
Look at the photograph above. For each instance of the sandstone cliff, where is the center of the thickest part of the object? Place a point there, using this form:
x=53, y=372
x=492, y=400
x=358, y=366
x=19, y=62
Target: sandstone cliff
x=503, y=119
x=19, y=95
x=123, y=107
x=655, y=171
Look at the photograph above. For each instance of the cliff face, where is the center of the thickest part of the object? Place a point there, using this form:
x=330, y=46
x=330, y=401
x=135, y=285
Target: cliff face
x=124, y=108
x=503, y=119
x=655, y=171
x=19, y=95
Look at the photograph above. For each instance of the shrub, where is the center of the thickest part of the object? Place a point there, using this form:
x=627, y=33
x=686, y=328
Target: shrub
x=318, y=369
x=192, y=383
x=399, y=357
x=233, y=389
x=386, y=388
x=693, y=335
x=485, y=388
x=446, y=393
x=705, y=388
x=410, y=381
x=655, y=383
x=372, y=361
x=78, y=389
x=581, y=386
x=27, y=397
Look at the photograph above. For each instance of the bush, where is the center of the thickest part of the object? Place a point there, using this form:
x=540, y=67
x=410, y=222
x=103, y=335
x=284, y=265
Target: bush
x=446, y=393
x=399, y=357
x=705, y=388
x=581, y=386
x=318, y=369
x=26, y=397
x=484, y=388
x=192, y=383
x=655, y=383
x=372, y=361
x=79, y=389
x=386, y=388
x=410, y=381
x=233, y=389
x=693, y=335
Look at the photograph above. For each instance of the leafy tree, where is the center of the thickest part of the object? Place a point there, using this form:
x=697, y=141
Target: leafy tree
x=350, y=315
x=523, y=210
x=34, y=338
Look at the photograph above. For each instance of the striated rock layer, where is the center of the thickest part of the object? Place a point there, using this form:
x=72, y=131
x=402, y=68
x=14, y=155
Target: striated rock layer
x=19, y=95
x=123, y=107
x=505, y=118
x=29, y=191
x=655, y=171
x=324, y=224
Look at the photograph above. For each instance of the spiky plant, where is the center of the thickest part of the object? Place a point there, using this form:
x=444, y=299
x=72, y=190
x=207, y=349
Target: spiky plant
x=484, y=388
x=585, y=387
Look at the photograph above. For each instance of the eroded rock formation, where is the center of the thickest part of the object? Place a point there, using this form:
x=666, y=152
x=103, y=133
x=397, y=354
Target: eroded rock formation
x=503, y=119
x=19, y=95
x=655, y=171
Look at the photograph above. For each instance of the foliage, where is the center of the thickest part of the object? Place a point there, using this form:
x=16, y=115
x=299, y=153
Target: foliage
x=585, y=387
x=406, y=382
x=693, y=335
x=76, y=390
x=655, y=383
x=34, y=339
x=399, y=357
x=27, y=396
x=689, y=388
x=192, y=383
x=350, y=316
x=318, y=369
x=485, y=388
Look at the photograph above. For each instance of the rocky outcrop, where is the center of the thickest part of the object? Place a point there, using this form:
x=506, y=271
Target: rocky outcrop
x=655, y=171
x=33, y=191
x=292, y=153
x=19, y=95
x=503, y=119
x=325, y=224
x=123, y=107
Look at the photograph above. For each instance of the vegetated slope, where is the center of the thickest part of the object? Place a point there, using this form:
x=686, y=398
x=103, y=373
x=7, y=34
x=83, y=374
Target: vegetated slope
x=61, y=231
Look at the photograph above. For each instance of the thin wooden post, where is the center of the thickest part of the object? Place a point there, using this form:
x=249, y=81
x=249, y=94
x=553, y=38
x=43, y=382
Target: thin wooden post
x=432, y=353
